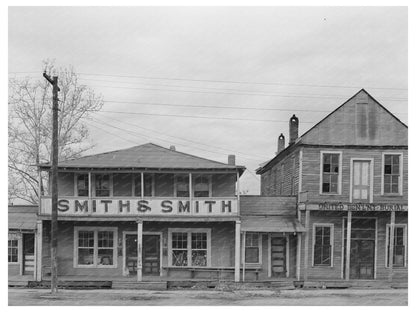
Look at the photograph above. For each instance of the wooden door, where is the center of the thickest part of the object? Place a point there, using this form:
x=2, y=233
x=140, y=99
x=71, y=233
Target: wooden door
x=361, y=181
x=28, y=253
x=131, y=253
x=151, y=254
x=278, y=256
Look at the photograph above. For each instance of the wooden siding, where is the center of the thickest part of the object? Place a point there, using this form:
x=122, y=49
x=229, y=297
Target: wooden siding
x=282, y=178
x=268, y=205
x=348, y=126
x=311, y=174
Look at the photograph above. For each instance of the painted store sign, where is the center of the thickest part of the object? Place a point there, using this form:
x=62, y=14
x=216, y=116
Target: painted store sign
x=157, y=207
x=331, y=206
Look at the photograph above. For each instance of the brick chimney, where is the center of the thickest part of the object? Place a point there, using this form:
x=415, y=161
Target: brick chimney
x=172, y=148
x=293, y=129
x=231, y=160
x=280, y=143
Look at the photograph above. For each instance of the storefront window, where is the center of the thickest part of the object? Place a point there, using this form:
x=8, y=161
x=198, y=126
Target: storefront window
x=102, y=185
x=199, y=249
x=252, y=248
x=95, y=247
x=391, y=174
x=399, y=248
x=189, y=247
x=330, y=172
x=179, y=249
x=322, y=245
x=13, y=251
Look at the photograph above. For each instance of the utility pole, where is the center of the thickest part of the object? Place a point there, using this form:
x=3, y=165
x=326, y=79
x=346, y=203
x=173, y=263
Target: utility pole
x=54, y=217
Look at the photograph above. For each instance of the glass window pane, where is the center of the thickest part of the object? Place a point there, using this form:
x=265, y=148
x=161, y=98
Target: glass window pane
x=122, y=184
x=138, y=185
x=148, y=181
x=179, y=257
x=179, y=240
x=105, y=257
x=252, y=255
x=199, y=257
x=82, y=185
x=85, y=256
x=105, y=239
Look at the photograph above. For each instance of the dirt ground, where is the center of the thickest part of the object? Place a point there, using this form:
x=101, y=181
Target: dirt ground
x=299, y=297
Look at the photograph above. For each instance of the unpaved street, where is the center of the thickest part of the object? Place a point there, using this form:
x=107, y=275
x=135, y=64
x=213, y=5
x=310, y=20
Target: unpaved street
x=210, y=297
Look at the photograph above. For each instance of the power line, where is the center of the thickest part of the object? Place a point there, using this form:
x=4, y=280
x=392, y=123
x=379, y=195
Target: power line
x=227, y=81
x=332, y=96
x=218, y=107
x=254, y=157
x=197, y=116
x=158, y=138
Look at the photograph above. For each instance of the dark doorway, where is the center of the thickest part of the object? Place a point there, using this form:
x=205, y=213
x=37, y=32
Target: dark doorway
x=151, y=254
x=28, y=253
x=362, y=253
x=278, y=256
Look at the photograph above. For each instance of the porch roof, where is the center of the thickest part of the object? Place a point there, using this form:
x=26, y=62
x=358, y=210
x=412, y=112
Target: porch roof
x=22, y=217
x=271, y=224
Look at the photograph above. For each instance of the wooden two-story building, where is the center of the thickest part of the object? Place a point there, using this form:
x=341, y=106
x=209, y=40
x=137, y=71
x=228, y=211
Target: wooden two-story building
x=143, y=212
x=349, y=173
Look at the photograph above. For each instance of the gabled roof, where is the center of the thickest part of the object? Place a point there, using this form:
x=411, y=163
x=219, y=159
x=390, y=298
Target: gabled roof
x=146, y=156
x=322, y=132
x=22, y=217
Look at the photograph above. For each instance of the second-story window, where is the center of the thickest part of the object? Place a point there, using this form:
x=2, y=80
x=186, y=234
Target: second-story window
x=392, y=177
x=102, y=185
x=201, y=186
x=182, y=186
x=82, y=185
x=330, y=173
x=148, y=184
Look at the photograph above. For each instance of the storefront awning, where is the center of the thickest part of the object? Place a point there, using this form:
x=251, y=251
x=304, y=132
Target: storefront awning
x=271, y=224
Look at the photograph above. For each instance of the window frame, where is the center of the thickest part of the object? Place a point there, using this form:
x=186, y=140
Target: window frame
x=110, y=184
x=404, y=226
x=260, y=249
x=400, y=154
x=95, y=229
x=321, y=173
x=189, y=232
x=331, y=226
x=176, y=183
x=16, y=247
x=209, y=178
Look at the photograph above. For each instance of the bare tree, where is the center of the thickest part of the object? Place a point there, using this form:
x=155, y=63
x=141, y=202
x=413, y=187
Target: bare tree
x=30, y=130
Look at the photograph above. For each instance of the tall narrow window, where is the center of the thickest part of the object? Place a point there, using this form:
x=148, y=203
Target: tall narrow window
x=182, y=186
x=82, y=185
x=252, y=248
x=13, y=251
x=85, y=247
x=323, y=245
x=179, y=249
x=330, y=173
x=102, y=185
x=201, y=186
x=392, y=174
x=105, y=247
x=199, y=249
x=399, y=247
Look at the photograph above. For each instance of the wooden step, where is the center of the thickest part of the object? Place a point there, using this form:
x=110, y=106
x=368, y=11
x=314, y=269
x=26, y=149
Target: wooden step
x=139, y=285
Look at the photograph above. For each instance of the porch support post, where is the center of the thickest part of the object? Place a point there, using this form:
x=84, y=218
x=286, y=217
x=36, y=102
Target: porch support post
x=38, y=251
x=139, y=249
x=348, y=248
x=391, y=244
x=306, y=264
x=191, y=193
x=298, y=254
x=237, y=251
x=244, y=256
x=287, y=254
x=89, y=185
x=269, y=254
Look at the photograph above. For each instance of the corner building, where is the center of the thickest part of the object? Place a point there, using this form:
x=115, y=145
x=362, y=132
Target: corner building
x=349, y=173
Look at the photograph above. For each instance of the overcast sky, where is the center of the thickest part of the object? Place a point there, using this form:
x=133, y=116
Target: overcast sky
x=300, y=60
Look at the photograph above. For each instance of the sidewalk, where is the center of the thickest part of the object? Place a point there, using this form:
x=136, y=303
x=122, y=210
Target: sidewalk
x=296, y=297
